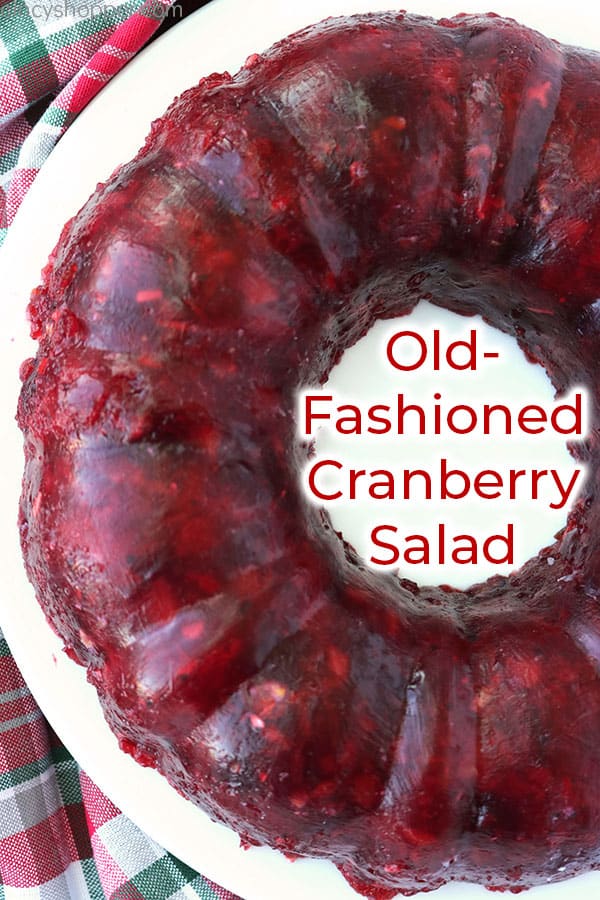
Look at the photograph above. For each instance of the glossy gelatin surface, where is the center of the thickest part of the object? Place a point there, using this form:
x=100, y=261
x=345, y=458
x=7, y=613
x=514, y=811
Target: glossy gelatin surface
x=412, y=735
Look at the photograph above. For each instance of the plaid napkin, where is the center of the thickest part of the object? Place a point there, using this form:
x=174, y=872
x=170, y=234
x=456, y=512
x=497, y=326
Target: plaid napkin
x=60, y=837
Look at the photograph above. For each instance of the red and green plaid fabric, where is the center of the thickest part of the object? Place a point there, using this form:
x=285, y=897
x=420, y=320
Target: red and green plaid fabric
x=60, y=837
x=62, y=52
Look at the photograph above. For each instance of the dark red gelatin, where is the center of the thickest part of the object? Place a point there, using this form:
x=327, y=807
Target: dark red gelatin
x=412, y=735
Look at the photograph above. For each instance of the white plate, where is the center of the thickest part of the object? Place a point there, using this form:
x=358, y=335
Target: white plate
x=107, y=133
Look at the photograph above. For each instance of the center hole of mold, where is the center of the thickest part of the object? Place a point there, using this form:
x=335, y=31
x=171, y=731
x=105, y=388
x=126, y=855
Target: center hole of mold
x=456, y=507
